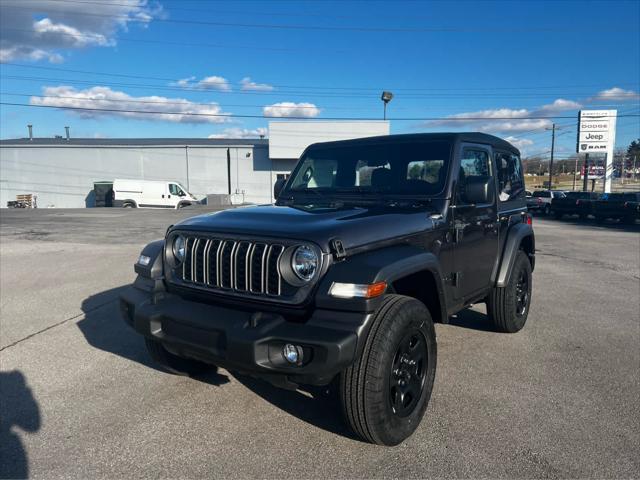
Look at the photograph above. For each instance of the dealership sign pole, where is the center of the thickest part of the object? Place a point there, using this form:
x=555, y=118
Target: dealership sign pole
x=597, y=134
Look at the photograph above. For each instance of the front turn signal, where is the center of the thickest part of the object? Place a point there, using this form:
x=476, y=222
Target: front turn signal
x=355, y=290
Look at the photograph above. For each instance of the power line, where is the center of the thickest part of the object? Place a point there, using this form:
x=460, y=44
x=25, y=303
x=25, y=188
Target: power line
x=197, y=114
x=187, y=44
x=353, y=28
x=196, y=88
x=371, y=89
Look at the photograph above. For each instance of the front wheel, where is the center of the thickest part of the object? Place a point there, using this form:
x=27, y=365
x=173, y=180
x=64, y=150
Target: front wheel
x=385, y=393
x=508, y=306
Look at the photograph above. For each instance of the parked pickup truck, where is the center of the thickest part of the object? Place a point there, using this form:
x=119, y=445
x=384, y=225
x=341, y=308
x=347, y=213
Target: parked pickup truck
x=541, y=200
x=340, y=282
x=622, y=206
x=574, y=203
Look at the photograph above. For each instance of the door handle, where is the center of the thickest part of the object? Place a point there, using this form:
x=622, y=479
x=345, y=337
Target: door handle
x=163, y=195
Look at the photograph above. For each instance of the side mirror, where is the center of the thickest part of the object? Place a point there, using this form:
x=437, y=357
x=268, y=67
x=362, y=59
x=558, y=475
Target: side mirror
x=479, y=189
x=277, y=188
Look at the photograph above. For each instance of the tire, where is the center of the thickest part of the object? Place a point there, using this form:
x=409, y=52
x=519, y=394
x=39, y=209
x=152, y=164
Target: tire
x=173, y=363
x=128, y=205
x=371, y=391
x=508, y=306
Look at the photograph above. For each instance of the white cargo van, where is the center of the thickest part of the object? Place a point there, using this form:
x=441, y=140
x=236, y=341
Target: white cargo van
x=150, y=194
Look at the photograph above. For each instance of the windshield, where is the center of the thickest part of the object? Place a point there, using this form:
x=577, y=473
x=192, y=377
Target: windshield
x=405, y=169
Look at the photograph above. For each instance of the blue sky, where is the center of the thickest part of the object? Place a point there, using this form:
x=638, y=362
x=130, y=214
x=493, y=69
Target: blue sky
x=499, y=62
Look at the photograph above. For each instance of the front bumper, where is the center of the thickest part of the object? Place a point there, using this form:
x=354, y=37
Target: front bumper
x=248, y=341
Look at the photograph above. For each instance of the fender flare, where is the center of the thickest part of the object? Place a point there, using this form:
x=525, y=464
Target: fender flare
x=515, y=235
x=387, y=264
x=154, y=269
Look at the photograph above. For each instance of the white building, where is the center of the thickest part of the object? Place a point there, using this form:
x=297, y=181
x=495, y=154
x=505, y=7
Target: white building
x=62, y=171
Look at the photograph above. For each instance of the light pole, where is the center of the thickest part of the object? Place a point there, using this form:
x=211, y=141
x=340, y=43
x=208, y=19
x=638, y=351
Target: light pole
x=386, y=98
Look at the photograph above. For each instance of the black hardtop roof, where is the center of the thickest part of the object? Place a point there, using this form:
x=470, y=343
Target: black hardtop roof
x=470, y=137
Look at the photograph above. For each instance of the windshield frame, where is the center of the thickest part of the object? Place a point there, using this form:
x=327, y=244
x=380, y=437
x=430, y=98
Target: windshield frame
x=357, y=193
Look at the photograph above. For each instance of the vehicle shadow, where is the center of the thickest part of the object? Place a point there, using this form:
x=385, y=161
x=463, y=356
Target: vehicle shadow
x=19, y=409
x=317, y=406
x=104, y=329
x=473, y=320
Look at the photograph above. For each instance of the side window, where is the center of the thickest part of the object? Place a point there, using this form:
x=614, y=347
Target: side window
x=473, y=164
x=510, y=184
x=175, y=190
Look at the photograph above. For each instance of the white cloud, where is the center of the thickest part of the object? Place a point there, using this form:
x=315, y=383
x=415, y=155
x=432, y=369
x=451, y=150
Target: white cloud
x=44, y=29
x=144, y=108
x=241, y=133
x=617, y=93
x=561, y=104
x=492, y=120
x=248, y=85
x=213, y=82
x=291, y=109
x=520, y=143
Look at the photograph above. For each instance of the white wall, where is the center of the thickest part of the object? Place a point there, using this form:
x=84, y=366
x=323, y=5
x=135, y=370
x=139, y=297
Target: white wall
x=289, y=139
x=63, y=176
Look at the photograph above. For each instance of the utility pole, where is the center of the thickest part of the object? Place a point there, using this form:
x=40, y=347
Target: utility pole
x=553, y=144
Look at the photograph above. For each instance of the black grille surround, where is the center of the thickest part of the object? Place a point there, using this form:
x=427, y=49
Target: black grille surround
x=240, y=267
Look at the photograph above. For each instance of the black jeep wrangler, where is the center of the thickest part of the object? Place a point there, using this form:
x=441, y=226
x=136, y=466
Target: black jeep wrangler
x=369, y=242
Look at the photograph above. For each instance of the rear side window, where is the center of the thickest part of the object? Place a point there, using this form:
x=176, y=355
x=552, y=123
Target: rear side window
x=542, y=194
x=509, y=173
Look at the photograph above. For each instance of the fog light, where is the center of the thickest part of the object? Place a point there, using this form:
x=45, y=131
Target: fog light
x=292, y=354
x=144, y=260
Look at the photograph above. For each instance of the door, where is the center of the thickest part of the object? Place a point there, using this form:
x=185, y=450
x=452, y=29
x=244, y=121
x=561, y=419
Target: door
x=475, y=225
x=174, y=194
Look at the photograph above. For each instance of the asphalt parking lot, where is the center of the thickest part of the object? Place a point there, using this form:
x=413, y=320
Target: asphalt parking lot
x=81, y=398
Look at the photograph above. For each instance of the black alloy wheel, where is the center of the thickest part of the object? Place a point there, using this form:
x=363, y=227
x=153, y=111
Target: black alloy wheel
x=408, y=373
x=522, y=293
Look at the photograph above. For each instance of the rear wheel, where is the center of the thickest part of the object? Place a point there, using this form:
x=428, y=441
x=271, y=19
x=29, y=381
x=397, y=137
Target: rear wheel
x=173, y=363
x=385, y=393
x=129, y=205
x=508, y=306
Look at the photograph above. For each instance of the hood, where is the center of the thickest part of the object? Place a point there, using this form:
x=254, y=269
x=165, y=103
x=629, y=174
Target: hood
x=354, y=226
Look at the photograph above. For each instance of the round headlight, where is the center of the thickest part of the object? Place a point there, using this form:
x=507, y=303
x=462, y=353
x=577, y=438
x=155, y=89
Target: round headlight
x=304, y=262
x=179, y=248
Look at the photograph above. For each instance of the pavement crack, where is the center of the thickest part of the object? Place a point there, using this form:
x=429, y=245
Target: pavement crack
x=62, y=322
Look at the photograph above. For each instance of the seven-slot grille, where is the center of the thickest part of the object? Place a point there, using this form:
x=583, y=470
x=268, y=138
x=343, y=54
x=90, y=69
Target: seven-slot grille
x=238, y=265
